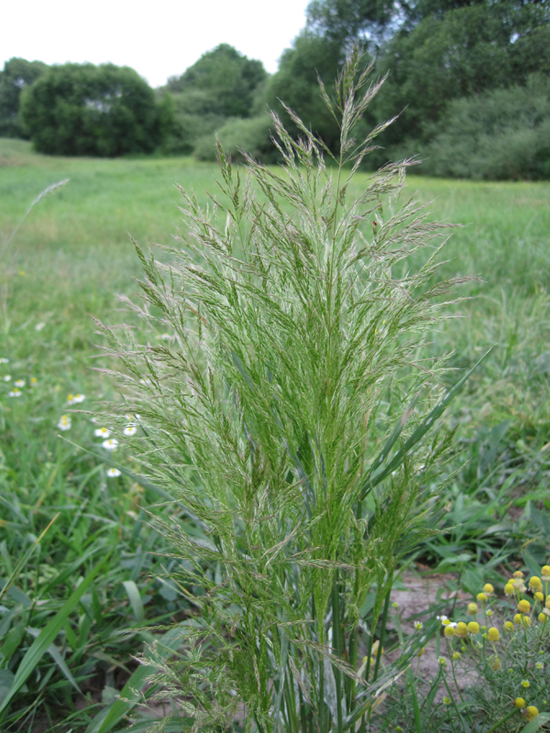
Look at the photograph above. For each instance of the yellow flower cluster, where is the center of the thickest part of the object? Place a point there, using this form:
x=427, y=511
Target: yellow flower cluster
x=516, y=588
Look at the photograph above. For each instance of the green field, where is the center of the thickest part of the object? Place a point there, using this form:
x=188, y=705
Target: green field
x=70, y=259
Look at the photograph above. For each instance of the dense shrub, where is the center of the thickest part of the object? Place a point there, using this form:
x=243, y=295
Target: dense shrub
x=503, y=134
x=225, y=80
x=251, y=136
x=16, y=75
x=91, y=110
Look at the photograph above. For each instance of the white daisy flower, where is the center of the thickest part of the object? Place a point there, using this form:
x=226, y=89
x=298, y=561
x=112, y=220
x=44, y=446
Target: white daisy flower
x=70, y=399
x=64, y=423
x=111, y=444
x=79, y=398
x=130, y=430
x=132, y=418
x=3, y=360
x=34, y=381
x=15, y=393
x=102, y=433
x=20, y=383
x=39, y=326
x=113, y=472
x=7, y=378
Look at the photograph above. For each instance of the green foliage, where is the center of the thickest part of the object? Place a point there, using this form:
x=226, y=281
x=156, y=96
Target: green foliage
x=345, y=22
x=238, y=137
x=463, y=52
x=16, y=75
x=310, y=58
x=225, y=78
x=503, y=134
x=287, y=413
x=91, y=110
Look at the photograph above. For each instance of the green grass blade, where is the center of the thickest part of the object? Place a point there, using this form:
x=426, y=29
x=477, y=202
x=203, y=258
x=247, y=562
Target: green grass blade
x=107, y=719
x=47, y=636
x=379, y=474
x=22, y=562
x=537, y=723
x=135, y=599
x=128, y=698
x=54, y=652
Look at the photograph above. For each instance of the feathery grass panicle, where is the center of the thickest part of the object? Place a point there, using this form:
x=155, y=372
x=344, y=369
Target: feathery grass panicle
x=287, y=387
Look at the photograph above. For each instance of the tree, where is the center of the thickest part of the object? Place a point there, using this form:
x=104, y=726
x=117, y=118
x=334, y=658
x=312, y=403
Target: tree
x=91, y=110
x=17, y=74
x=228, y=78
x=346, y=22
x=310, y=58
x=464, y=51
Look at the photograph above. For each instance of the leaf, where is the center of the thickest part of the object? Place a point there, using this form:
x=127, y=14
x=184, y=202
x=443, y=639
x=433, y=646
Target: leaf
x=537, y=723
x=47, y=636
x=22, y=562
x=378, y=472
x=6, y=681
x=54, y=652
x=129, y=695
x=135, y=599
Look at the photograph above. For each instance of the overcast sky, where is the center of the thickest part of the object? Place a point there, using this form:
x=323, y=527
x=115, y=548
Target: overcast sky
x=158, y=38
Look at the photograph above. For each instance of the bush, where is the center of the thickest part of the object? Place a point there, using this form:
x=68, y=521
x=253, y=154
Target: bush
x=223, y=77
x=16, y=76
x=91, y=110
x=237, y=136
x=503, y=134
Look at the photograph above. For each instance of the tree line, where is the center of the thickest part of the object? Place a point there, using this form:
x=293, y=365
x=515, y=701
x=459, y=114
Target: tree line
x=469, y=81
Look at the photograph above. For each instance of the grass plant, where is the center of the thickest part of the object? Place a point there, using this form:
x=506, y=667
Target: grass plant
x=288, y=411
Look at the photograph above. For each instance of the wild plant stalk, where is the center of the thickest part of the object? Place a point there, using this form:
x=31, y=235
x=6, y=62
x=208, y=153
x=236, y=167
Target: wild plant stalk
x=4, y=248
x=287, y=414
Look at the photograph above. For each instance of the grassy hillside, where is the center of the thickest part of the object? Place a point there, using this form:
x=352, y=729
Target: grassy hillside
x=68, y=261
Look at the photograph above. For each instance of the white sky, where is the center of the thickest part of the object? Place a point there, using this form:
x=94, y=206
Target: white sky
x=158, y=39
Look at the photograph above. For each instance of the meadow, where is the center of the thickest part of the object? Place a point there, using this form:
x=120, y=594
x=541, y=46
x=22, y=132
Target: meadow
x=62, y=516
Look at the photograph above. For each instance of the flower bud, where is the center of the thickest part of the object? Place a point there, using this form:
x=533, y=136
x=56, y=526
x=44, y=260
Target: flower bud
x=524, y=606
x=488, y=588
x=481, y=597
x=473, y=627
x=472, y=608
x=519, y=702
x=493, y=634
x=531, y=712
x=535, y=583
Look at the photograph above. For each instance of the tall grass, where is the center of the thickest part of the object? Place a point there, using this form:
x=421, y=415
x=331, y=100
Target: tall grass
x=287, y=411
